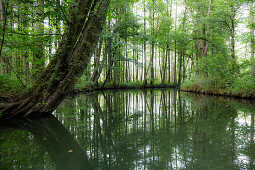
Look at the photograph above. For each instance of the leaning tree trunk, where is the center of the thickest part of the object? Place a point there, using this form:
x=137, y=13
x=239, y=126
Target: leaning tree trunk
x=68, y=64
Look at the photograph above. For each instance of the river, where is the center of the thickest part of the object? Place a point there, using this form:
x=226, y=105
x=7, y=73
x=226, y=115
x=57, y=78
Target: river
x=137, y=129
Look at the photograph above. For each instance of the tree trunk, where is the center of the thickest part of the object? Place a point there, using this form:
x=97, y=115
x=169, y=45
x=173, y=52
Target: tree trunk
x=69, y=63
x=169, y=64
x=144, y=47
x=164, y=66
x=252, y=41
x=204, y=31
x=137, y=65
x=2, y=69
x=232, y=38
x=96, y=74
x=175, y=62
x=152, y=48
x=180, y=69
x=3, y=23
x=39, y=61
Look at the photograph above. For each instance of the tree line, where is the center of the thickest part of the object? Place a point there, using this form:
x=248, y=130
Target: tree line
x=146, y=43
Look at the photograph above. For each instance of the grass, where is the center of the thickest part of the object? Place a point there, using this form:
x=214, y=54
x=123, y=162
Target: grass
x=10, y=85
x=243, y=87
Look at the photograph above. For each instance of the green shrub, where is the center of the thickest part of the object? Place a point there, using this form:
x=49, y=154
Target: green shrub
x=244, y=85
x=218, y=71
x=10, y=85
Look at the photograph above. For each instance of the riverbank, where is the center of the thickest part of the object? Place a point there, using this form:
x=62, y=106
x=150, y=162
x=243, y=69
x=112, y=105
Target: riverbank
x=123, y=87
x=219, y=92
x=193, y=88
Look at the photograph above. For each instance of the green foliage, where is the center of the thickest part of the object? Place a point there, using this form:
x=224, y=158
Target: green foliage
x=244, y=85
x=84, y=82
x=196, y=83
x=222, y=79
x=33, y=34
x=10, y=84
x=215, y=70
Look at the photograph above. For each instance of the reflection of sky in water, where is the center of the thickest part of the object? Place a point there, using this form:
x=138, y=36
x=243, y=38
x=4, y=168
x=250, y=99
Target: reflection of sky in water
x=243, y=119
x=135, y=112
x=178, y=133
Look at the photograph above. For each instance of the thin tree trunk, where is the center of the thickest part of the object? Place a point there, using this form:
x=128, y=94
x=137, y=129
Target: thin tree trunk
x=144, y=47
x=233, y=37
x=95, y=76
x=152, y=47
x=137, y=64
x=180, y=69
x=175, y=62
x=164, y=66
x=3, y=28
x=252, y=40
x=39, y=61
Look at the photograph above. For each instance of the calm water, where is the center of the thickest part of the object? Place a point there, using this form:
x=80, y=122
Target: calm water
x=161, y=129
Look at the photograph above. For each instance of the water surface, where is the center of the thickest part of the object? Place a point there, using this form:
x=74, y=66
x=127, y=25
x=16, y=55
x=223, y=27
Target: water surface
x=152, y=129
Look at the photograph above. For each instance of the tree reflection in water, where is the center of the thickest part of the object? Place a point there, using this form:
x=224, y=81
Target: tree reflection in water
x=40, y=142
x=161, y=129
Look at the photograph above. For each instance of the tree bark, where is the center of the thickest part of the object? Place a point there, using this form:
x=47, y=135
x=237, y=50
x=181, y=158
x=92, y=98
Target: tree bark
x=204, y=31
x=252, y=40
x=152, y=46
x=144, y=48
x=233, y=36
x=96, y=74
x=3, y=23
x=2, y=69
x=39, y=61
x=70, y=61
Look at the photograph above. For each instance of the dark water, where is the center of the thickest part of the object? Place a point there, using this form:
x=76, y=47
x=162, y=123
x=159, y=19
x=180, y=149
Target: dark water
x=161, y=129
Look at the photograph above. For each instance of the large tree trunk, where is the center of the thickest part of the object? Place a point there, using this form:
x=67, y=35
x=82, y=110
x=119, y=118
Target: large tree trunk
x=3, y=22
x=1, y=26
x=68, y=64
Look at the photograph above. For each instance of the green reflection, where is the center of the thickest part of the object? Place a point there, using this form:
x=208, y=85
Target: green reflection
x=152, y=129
x=39, y=144
x=161, y=129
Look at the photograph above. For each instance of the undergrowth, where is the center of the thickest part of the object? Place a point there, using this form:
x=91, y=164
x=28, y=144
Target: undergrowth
x=10, y=85
x=243, y=86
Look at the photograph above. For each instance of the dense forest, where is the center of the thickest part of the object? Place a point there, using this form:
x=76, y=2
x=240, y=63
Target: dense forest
x=49, y=47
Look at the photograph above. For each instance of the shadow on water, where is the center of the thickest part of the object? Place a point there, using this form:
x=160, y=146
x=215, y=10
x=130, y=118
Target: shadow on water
x=151, y=129
x=47, y=133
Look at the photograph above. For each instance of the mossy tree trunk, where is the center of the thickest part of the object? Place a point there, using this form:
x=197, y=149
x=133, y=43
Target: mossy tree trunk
x=68, y=64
